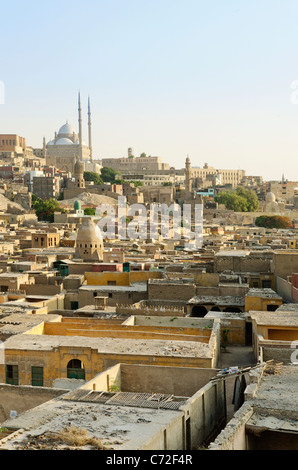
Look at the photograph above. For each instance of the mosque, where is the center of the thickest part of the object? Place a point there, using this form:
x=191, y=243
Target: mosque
x=63, y=151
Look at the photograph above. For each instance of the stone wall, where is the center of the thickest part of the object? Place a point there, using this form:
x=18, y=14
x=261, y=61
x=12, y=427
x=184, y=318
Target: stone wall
x=183, y=382
x=23, y=398
x=284, y=289
x=157, y=310
x=172, y=291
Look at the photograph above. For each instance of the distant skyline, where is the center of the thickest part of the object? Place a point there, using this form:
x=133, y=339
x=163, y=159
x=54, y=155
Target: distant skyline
x=168, y=78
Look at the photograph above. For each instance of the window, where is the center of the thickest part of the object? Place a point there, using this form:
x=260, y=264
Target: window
x=75, y=369
x=266, y=284
x=12, y=375
x=37, y=376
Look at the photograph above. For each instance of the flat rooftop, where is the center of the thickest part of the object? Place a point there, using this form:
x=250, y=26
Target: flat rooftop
x=279, y=392
x=139, y=287
x=217, y=300
x=106, y=345
x=264, y=293
x=119, y=428
x=277, y=318
x=21, y=322
x=124, y=419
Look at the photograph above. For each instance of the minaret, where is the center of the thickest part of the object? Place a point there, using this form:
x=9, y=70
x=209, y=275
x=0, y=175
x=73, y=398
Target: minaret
x=89, y=130
x=80, y=126
x=188, y=185
x=79, y=174
x=44, y=150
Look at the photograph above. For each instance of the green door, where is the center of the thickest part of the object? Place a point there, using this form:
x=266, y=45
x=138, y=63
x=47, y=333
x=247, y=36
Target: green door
x=76, y=374
x=37, y=376
x=75, y=370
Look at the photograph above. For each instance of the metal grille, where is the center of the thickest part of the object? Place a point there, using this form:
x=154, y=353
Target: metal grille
x=76, y=395
x=97, y=397
x=129, y=399
x=141, y=400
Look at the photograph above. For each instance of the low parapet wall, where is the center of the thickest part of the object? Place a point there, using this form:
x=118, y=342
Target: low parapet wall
x=158, y=310
x=23, y=398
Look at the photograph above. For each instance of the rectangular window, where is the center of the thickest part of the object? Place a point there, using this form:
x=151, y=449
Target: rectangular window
x=37, y=376
x=12, y=375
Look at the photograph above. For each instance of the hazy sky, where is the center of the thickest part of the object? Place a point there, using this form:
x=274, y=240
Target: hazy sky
x=211, y=79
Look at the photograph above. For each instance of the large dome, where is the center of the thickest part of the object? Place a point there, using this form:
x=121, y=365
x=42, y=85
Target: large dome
x=67, y=129
x=64, y=141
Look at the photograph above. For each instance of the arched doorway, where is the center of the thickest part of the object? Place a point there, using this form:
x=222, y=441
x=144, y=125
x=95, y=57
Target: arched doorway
x=215, y=309
x=199, y=311
x=75, y=369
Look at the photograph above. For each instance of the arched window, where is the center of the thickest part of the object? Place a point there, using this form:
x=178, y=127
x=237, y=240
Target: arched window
x=199, y=311
x=75, y=369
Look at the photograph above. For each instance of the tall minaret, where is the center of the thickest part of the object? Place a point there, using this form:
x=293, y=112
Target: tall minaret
x=44, y=148
x=188, y=182
x=80, y=126
x=89, y=130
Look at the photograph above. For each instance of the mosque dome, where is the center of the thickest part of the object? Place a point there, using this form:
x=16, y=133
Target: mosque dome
x=79, y=167
x=77, y=142
x=77, y=206
x=270, y=197
x=52, y=142
x=66, y=129
x=64, y=141
x=89, y=242
x=89, y=232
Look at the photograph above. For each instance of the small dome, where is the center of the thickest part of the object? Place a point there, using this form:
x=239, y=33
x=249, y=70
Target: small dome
x=89, y=232
x=79, y=167
x=52, y=142
x=64, y=141
x=77, y=206
x=67, y=129
x=270, y=197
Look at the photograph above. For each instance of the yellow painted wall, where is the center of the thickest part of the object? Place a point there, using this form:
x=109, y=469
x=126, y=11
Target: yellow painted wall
x=121, y=279
x=55, y=362
x=280, y=334
x=260, y=304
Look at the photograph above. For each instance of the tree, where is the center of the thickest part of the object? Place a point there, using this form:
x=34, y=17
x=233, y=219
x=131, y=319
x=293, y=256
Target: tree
x=273, y=221
x=241, y=200
x=136, y=183
x=108, y=175
x=89, y=211
x=250, y=196
x=45, y=210
x=92, y=176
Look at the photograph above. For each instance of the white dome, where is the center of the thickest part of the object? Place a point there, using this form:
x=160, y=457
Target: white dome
x=64, y=141
x=77, y=142
x=67, y=129
x=270, y=197
x=52, y=142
